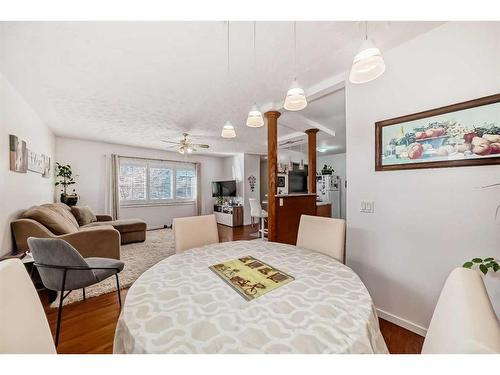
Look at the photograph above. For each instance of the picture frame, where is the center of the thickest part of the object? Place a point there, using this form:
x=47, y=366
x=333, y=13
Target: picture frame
x=457, y=135
x=18, y=154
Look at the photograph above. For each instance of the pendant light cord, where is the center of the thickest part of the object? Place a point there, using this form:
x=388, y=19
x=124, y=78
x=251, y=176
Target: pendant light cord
x=295, y=49
x=228, y=48
x=254, y=59
x=366, y=30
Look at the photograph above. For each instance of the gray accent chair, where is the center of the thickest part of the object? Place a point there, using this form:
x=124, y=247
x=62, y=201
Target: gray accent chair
x=62, y=268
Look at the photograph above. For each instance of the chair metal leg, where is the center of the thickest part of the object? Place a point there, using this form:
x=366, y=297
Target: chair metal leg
x=118, y=290
x=83, y=290
x=59, y=312
x=262, y=227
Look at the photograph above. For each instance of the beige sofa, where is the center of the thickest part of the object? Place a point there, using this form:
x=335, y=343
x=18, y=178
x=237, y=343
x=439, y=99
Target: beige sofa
x=98, y=239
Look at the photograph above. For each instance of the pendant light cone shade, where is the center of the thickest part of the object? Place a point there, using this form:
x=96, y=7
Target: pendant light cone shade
x=368, y=64
x=228, y=131
x=255, y=119
x=295, y=99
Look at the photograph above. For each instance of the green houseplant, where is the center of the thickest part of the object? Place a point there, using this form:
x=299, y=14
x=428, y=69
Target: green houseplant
x=327, y=169
x=65, y=178
x=484, y=264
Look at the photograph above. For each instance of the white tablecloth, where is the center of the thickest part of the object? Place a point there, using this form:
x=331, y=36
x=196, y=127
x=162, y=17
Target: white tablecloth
x=180, y=306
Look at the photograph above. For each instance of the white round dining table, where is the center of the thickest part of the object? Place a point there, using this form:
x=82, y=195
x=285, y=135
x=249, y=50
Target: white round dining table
x=181, y=306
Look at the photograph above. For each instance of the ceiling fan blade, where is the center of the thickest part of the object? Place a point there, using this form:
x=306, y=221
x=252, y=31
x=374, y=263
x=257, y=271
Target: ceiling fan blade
x=200, y=145
x=176, y=143
x=171, y=146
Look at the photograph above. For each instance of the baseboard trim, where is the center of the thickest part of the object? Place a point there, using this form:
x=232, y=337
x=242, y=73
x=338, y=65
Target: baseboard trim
x=155, y=228
x=419, y=330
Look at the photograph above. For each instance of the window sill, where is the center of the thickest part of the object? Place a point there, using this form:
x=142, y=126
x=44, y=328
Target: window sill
x=176, y=203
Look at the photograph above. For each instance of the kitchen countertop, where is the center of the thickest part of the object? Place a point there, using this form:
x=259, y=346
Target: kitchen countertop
x=293, y=195
x=322, y=203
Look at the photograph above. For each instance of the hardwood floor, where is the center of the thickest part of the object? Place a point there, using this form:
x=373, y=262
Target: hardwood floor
x=88, y=327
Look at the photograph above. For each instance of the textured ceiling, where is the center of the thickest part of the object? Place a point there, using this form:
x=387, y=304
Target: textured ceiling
x=135, y=83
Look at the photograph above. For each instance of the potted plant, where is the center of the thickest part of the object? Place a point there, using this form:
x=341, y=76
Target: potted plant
x=484, y=264
x=64, y=178
x=327, y=170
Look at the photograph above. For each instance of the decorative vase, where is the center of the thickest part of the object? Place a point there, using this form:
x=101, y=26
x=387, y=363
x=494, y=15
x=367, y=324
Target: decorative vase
x=69, y=199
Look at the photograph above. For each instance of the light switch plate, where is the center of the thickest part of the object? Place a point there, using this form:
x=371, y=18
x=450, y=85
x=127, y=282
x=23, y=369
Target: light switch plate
x=281, y=202
x=367, y=207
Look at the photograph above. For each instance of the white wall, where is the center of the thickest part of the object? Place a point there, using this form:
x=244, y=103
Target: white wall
x=19, y=191
x=252, y=168
x=338, y=162
x=91, y=161
x=426, y=222
x=239, y=167
x=263, y=180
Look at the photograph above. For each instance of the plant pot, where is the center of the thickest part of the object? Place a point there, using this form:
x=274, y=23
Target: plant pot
x=70, y=200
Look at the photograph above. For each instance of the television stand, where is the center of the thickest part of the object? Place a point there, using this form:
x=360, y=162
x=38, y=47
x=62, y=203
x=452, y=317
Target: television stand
x=232, y=216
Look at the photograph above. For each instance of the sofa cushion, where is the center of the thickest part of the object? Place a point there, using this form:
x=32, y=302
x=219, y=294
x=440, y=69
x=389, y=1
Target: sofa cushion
x=52, y=218
x=123, y=225
x=63, y=210
x=83, y=215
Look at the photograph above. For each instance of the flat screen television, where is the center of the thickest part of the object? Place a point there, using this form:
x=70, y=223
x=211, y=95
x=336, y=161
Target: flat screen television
x=224, y=188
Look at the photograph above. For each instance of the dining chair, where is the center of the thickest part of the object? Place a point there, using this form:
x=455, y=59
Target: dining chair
x=322, y=234
x=194, y=231
x=464, y=321
x=62, y=268
x=23, y=324
x=256, y=211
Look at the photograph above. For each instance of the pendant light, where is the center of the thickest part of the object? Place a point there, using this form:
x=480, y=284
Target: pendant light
x=368, y=64
x=228, y=129
x=255, y=119
x=295, y=99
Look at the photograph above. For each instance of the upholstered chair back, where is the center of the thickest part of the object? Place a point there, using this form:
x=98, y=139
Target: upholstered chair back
x=322, y=234
x=23, y=325
x=194, y=231
x=464, y=321
x=255, y=207
x=57, y=252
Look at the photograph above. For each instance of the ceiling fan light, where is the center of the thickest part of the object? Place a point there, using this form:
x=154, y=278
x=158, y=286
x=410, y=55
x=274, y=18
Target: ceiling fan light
x=255, y=119
x=295, y=99
x=228, y=131
x=368, y=64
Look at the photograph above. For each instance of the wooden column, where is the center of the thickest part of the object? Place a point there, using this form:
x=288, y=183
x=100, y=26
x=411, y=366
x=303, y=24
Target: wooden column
x=272, y=171
x=311, y=160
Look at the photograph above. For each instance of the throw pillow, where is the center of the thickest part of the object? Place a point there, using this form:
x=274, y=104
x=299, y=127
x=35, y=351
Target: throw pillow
x=83, y=215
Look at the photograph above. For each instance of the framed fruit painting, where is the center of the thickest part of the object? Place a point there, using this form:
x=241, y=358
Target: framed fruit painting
x=462, y=134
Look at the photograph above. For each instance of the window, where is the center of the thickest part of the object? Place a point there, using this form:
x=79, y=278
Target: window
x=160, y=182
x=132, y=182
x=149, y=182
x=185, y=183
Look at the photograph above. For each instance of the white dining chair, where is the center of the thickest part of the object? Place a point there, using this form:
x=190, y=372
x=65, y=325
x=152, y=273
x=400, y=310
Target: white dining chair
x=23, y=325
x=194, y=231
x=256, y=211
x=322, y=234
x=464, y=321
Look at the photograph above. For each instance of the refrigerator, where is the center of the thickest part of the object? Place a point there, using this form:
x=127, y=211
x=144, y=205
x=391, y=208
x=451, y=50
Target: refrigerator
x=328, y=189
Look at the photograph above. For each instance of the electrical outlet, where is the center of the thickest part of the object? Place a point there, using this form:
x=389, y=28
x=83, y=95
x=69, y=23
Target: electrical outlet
x=367, y=207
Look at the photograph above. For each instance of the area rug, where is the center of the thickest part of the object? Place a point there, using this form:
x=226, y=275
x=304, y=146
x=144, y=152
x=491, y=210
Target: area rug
x=138, y=257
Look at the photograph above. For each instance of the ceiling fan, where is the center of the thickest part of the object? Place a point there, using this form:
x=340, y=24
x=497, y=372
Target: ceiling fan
x=185, y=145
